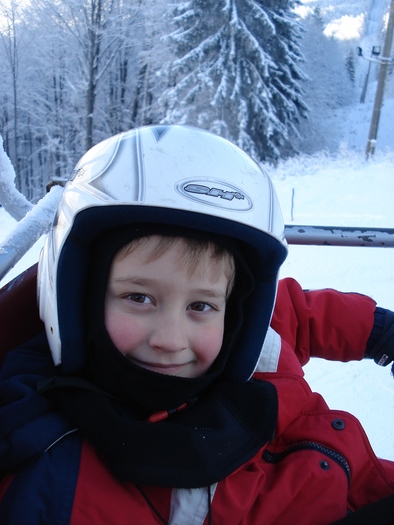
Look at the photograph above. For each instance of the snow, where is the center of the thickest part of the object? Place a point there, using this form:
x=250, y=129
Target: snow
x=338, y=188
x=29, y=229
x=18, y=205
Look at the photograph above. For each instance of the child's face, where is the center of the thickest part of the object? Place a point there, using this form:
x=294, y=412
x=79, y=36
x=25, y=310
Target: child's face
x=162, y=316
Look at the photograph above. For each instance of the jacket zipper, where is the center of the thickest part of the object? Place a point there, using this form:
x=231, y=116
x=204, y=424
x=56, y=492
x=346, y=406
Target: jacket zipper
x=271, y=457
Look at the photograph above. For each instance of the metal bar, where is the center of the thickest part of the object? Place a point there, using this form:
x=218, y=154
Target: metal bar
x=340, y=236
x=12, y=250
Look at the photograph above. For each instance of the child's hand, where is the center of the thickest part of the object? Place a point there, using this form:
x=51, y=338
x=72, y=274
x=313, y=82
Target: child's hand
x=380, y=346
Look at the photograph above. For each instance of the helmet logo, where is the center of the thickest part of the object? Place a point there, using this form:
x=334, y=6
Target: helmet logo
x=216, y=193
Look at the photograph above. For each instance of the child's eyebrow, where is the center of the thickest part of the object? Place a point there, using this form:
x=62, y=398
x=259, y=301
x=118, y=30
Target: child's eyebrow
x=209, y=292
x=143, y=281
x=214, y=293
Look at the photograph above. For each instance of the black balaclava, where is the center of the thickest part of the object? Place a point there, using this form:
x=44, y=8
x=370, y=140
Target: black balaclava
x=140, y=387
x=225, y=423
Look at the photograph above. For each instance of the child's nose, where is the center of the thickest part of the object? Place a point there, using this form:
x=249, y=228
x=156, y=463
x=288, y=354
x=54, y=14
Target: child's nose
x=169, y=334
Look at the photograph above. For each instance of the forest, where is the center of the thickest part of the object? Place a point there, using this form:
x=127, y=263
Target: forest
x=73, y=72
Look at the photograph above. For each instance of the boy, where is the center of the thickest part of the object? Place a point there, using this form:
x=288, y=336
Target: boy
x=171, y=392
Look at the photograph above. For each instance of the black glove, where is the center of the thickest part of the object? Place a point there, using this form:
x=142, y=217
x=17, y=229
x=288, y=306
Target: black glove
x=380, y=346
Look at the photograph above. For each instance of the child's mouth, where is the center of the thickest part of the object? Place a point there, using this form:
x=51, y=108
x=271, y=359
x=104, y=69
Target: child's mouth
x=161, y=368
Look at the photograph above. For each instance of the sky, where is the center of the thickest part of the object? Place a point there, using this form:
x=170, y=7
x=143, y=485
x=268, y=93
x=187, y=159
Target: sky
x=337, y=188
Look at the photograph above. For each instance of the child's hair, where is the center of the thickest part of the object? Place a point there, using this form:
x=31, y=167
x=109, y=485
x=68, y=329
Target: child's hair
x=191, y=252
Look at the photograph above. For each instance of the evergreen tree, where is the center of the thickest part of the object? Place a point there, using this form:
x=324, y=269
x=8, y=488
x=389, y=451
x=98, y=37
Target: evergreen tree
x=236, y=72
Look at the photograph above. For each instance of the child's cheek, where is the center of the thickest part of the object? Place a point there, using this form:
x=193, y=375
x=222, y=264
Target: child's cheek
x=123, y=333
x=210, y=344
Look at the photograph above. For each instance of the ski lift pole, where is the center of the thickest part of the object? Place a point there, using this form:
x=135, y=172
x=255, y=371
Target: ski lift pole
x=374, y=53
x=362, y=98
x=384, y=63
x=340, y=236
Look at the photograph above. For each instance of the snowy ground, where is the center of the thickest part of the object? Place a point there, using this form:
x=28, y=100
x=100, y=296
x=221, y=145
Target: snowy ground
x=337, y=189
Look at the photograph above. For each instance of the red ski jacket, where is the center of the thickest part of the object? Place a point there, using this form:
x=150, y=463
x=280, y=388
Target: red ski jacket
x=318, y=468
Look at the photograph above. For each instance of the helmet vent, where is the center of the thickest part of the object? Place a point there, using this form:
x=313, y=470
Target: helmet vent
x=160, y=131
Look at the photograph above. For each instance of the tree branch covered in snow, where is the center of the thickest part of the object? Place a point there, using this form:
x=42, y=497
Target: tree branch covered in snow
x=36, y=222
x=10, y=198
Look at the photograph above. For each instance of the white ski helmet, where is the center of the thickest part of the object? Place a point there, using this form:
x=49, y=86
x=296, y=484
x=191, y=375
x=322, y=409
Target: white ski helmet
x=171, y=175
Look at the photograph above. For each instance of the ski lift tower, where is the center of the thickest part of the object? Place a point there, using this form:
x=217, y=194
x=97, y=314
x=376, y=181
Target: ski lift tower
x=384, y=60
x=374, y=53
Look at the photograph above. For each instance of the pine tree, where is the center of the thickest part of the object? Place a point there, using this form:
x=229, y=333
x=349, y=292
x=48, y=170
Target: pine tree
x=236, y=72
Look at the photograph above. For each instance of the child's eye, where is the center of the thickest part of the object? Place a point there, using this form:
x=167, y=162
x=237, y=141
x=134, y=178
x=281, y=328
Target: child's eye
x=200, y=307
x=139, y=298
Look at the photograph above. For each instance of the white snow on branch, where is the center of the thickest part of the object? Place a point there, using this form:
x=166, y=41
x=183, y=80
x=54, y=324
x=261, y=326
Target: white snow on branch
x=11, y=199
x=35, y=223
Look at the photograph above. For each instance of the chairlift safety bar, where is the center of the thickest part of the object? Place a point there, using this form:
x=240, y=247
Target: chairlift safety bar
x=295, y=234
x=340, y=236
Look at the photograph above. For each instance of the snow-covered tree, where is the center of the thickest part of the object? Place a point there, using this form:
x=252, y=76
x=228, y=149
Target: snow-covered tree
x=10, y=38
x=95, y=31
x=236, y=71
x=74, y=84
x=151, y=56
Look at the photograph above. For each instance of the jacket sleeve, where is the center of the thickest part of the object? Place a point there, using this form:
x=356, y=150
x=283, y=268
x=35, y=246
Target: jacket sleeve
x=29, y=424
x=323, y=323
